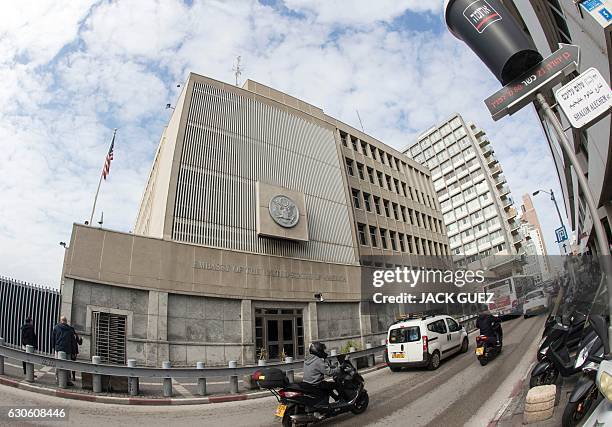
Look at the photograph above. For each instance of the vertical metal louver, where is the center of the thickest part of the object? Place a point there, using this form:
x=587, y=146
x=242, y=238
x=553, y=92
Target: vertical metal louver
x=18, y=300
x=109, y=337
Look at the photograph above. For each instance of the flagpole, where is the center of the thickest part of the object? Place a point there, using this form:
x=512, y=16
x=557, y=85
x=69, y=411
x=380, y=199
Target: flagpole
x=93, y=209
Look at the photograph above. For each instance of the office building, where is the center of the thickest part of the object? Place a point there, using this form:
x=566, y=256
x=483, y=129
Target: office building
x=258, y=217
x=478, y=212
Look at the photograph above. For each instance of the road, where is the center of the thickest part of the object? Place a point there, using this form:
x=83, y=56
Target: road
x=454, y=395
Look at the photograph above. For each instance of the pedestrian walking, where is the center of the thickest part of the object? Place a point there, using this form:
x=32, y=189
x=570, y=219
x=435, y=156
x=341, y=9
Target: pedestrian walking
x=76, y=342
x=62, y=340
x=28, y=337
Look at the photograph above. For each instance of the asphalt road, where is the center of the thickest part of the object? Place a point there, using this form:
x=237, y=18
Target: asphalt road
x=450, y=396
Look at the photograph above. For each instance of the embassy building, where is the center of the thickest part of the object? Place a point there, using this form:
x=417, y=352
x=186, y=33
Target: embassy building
x=258, y=218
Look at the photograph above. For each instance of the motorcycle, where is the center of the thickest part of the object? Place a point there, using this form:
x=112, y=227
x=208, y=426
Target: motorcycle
x=556, y=327
x=489, y=347
x=585, y=391
x=559, y=360
x=304, y=403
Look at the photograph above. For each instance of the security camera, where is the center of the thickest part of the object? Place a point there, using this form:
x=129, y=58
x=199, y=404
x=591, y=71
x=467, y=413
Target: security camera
x=319, y=297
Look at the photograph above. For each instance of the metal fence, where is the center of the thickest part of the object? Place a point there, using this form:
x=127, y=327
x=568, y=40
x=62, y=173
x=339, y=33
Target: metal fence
x=18, y=300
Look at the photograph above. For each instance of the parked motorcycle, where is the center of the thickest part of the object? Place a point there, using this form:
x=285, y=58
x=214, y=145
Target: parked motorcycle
x=585, y=392
x=489, y=347
x=303, y=403
x=570, y=327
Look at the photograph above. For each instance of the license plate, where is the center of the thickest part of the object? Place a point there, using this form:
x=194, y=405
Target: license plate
x=479, y=351
x=397, y=356
x=280, y=410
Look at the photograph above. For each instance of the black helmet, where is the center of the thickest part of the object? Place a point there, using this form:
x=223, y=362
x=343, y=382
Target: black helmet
x=318, y=349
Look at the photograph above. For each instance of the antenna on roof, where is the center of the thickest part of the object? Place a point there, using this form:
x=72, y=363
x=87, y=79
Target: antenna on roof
x=237, y=69
x=360, y=122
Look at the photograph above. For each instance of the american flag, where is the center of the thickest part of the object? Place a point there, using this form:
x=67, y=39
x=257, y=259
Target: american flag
x=109, y=158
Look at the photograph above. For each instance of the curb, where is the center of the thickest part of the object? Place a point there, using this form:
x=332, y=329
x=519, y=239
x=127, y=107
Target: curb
x=143, y=401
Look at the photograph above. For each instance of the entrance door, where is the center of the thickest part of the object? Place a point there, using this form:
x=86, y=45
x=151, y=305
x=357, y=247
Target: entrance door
x=279, y=333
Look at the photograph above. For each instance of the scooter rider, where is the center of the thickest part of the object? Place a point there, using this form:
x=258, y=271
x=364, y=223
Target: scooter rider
x=490, y=326
x=316, y=369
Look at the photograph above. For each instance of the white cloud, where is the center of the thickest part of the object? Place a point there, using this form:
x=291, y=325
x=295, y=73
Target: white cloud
x=72, y=72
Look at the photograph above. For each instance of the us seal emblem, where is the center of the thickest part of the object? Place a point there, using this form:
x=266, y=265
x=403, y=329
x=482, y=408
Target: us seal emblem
x=284, y=211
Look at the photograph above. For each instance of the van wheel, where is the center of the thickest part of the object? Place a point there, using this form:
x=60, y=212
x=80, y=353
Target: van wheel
x=464, y=345
x=394, y=368
x=434, y=361
x=483, y=361
x=525, y=316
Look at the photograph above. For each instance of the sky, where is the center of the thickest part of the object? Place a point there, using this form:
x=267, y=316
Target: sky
x=72, y=71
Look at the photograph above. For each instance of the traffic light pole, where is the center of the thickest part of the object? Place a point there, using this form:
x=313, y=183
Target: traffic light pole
x=600, y=234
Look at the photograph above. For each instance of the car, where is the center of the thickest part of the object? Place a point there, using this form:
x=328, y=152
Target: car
x=424, y=341
x=536, y=302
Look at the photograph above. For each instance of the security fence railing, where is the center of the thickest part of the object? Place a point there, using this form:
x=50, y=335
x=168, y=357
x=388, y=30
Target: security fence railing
x=167, y=373
x=20, y=300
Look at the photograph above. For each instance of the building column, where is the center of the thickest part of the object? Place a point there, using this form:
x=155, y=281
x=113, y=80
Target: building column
x=157, y=349
x=67, y=292
x=312, y=325
x=246, y=326
x=365, y=322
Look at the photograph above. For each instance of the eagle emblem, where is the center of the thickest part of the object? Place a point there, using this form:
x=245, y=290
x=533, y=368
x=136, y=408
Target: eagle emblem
x=284, y=211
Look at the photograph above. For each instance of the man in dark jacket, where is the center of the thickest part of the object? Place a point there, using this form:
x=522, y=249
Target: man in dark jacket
x=28, y=337
x=76, y=342
x=315, y=370
x=489, y=326
x=62, y=339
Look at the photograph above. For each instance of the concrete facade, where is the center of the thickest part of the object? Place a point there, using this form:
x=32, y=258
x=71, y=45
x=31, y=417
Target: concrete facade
x=210, y=275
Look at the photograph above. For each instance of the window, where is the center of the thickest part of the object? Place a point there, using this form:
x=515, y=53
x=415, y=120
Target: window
x=109, y=337
x=392, y=238
x=397, y=186
x=366, y=202
x=364, y=148
x=410, y=246
x=349, y=167
x=373, y=236
x=404, y=335
x=362, y=234
x=354, y=143
x=388, y=182
x=379, y=175
x=396, y=211
x=438, y=327
x=383, y=238
x=404, y=189
x=403, y=211
x=387, y=211
x=356, y=199
x=343, y=139
x=360, y=170
x=401, y=242
x=371, y=175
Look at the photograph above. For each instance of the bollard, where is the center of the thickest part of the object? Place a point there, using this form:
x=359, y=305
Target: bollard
x=96, y=379
x=333, y=352
x=29, y=366
x=290, y=372
x=133, y=382
x=62, y=374
x=167, y=381
x=261, y=362
x=201, y=381
x=1, y=358
x=233, y=379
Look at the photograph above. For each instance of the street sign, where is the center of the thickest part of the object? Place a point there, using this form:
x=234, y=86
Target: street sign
x=561, y=234
x=522, y=90
x=585, y=99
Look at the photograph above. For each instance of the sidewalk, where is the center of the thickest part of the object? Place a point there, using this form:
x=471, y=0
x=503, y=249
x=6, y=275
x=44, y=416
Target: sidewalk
x=184, y=392
x=513, y=414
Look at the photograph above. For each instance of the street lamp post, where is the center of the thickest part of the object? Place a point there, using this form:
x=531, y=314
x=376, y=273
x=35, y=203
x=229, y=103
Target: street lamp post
x=552, y=197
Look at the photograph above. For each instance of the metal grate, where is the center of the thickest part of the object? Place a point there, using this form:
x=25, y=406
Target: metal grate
x=109, y=337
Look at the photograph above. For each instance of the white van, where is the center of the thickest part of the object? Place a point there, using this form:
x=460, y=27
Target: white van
x=424, y=341
x=536, y=302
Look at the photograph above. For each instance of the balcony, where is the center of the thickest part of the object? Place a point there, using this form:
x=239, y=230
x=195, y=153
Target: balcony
x=506, y=202
x=491, y=160
x=517, y=239
x=512, y=213
x=499, y=180
x=515, y=226
x=487, y=149
x=504, y=190
x=496, y=170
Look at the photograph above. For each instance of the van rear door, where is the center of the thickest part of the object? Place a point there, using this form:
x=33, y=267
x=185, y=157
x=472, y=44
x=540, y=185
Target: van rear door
x=405, y=344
